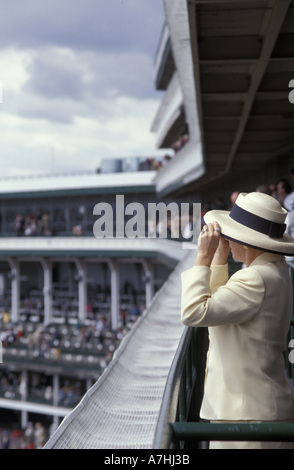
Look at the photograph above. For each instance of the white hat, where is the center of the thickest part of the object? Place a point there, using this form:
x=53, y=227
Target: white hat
x=256, y=220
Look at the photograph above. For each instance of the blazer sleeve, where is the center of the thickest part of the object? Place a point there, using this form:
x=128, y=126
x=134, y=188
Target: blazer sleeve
x=219, y=277
x=234, y=302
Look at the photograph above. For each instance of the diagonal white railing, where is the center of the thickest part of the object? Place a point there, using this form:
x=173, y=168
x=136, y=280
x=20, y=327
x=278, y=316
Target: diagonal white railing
x=121, y=409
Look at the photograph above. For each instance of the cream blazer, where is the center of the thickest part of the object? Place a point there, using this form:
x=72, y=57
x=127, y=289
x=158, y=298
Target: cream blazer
x=248, y=317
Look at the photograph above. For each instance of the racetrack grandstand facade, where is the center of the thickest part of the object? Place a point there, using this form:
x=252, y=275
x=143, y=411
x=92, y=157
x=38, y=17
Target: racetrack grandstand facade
x=67, y=298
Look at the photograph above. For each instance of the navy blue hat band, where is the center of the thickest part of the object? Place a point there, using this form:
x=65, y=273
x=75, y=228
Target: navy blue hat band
x=259, y=224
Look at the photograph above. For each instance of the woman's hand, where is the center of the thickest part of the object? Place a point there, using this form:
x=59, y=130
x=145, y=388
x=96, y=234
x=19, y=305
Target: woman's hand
x=222, y=252
x=211, y=246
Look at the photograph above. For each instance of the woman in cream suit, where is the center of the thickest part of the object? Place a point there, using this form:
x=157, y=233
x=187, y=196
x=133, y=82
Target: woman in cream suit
x=248, y=315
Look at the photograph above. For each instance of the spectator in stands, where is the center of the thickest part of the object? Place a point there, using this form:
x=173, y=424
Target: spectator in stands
x=40, y=435
x=134, y=312
x=123, y=313
x=19, y=224
x=155, y=164
x=289, y=206
x=289, y=202
x=30, y=227
x=233, y=197
x=6, y=317
x=273, y=190
x=263, y=188
x=5, y=440
x=44, y=224
x=249, y=313
x=29, y=435
x=77, y=230
x=166, y=159
x=283, y=189
x=180, y=143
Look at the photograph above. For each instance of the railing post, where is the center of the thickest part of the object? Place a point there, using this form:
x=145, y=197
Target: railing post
x=183, y=398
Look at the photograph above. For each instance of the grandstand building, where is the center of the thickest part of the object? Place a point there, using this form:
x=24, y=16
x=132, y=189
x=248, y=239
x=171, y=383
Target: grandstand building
x=67, y=297
x=225, y=69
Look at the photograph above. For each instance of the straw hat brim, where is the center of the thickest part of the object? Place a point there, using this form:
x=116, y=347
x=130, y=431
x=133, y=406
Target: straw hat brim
x=241, y=234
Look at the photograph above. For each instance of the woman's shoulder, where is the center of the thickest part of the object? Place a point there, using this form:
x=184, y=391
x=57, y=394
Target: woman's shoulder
x=248, y=275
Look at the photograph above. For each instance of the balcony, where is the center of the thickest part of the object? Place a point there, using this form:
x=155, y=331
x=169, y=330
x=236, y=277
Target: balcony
x=164, y=65
x=90, y=247
x=178, y=108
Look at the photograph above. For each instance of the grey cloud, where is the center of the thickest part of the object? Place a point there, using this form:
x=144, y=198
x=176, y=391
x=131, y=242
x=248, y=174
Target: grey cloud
x=130, y=74
x=49, y=112
x=87, y=58
x=64, y=84
x=85, y=53
x=56, y=74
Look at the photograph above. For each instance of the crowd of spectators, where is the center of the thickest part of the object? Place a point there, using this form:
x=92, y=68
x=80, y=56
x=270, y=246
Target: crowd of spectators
x=180, y=142
x=34, y=436
x=150, y=164
x=119, y=165
x=282, y=190
x=49, y=342
x=40, y=226
x=40, y=388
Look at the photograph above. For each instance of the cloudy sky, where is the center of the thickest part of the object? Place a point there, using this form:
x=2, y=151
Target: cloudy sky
x=77, y=79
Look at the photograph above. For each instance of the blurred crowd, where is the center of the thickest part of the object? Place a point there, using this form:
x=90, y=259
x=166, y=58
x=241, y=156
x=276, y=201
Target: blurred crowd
x=33, y=224
x=33, y=437
x=49, y=342
x=150, y=164
x=282, y=190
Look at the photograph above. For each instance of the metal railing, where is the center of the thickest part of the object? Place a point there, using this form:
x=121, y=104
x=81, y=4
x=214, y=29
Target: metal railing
x=179, y=425
x=184, y=387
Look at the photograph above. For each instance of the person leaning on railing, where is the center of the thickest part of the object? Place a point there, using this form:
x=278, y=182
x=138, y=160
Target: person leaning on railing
x=248, y=315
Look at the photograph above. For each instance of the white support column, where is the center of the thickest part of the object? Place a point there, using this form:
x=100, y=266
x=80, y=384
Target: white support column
x=115, y=296
x=47, y=290
x=82, y=287
x=15, y=288
x=149, y=280
x=24, y=396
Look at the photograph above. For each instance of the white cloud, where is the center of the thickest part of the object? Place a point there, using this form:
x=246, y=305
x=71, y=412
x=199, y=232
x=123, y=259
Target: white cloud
x=76, y=98
x=13, y=70
x=28, y=145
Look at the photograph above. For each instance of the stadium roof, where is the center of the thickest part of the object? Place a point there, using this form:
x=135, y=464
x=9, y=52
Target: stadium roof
x=243, y=56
